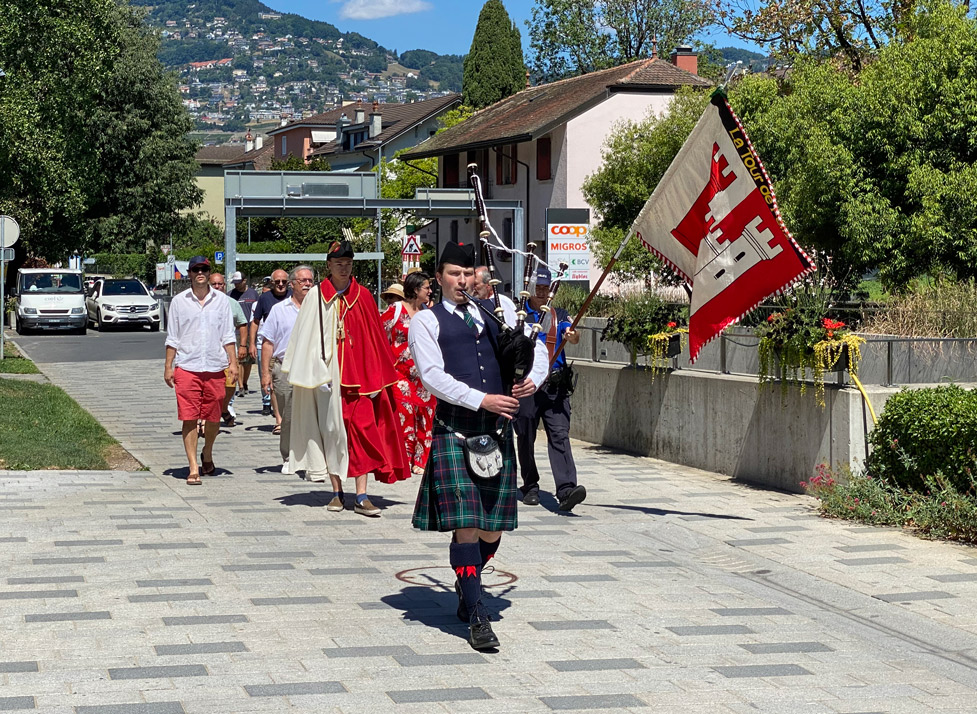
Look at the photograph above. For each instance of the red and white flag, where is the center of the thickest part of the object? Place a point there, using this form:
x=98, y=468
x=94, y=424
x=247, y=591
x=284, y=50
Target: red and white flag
x=714, y=219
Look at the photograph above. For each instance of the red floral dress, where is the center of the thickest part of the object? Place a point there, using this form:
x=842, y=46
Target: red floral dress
x=415, y=405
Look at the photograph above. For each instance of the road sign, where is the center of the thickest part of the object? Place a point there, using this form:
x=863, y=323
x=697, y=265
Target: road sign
x=9, y=231
x=411, y=246
x=165, y=249
x=219, y=257
x=171, y=259
x=89, y=261
x=6, y=254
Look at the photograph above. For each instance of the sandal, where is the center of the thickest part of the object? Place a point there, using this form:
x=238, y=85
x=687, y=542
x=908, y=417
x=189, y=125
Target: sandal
x=194, y=480
x=277, y=430
x=228, y=419
x=207, y=468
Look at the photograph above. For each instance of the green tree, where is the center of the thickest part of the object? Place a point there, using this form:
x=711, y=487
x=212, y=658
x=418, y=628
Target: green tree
x=494, y=68
x=880, y=171
x=93, y=136
x=572, y=37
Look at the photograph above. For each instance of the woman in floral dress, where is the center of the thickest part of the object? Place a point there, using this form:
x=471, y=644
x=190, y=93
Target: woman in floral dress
x=415, y=405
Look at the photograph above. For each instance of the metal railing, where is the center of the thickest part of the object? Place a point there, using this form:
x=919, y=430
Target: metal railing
x=880, y=365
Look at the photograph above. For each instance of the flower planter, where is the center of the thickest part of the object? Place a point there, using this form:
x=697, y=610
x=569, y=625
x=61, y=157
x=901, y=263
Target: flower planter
x=674, y=348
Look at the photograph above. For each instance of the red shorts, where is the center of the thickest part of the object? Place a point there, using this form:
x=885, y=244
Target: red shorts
x=198, y=395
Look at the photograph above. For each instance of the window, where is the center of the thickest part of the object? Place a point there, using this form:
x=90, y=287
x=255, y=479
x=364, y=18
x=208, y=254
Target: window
x=543, y=170
x=284, y=144
x=480, y=158
x=450, y=162
x=506, y=167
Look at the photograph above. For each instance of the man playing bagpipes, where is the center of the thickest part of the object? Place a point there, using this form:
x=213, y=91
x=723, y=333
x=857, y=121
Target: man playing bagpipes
x=469, y=486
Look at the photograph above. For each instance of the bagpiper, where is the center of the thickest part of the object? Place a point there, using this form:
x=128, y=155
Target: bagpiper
x=469, y=486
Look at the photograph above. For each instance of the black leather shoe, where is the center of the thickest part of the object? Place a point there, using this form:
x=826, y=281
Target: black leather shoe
x=531, y=498
x=462, y=611
x=481, y=636
x=573, y=497
x=266, y=410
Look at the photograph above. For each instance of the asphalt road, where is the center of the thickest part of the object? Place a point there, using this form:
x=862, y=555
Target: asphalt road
x=123, y=343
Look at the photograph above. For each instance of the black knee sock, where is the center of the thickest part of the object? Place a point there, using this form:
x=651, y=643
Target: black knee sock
x=466, y=560
x=487, y=549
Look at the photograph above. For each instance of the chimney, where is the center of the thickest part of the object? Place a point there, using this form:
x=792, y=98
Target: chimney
x=259, y=142
x=359, y=116
x=341, y=123
x=376, y=124
x=527, y=80
x=654, y=47
x=684, y=58
x=248, y=142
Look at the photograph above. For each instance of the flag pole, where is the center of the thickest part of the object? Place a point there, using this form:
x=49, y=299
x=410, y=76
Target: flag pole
x=593, y=292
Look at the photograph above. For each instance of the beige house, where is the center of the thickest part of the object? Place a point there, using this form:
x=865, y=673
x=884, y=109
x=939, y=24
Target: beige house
x=538, y=146
x=212, y=162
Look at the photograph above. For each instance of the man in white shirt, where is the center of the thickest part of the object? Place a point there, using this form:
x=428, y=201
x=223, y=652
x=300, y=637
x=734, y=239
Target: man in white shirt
x=274, y=334
x=454, y=348
x=199, y=347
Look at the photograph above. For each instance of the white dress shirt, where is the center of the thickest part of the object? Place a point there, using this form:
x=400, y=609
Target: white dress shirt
x=277, y=327
x=423, y=341
x=199, y=332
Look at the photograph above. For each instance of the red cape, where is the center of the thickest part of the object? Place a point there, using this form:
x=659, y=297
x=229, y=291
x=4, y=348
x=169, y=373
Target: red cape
x=366, y=362
x=374, y=435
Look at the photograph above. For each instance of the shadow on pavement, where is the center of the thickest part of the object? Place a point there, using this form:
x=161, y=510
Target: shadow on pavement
x=665, y=512
x=321, y=498
x=435, y=607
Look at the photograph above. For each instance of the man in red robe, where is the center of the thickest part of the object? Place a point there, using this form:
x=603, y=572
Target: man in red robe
x=374, y=436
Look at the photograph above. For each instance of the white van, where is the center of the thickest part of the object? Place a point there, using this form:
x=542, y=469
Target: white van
x=50, y=299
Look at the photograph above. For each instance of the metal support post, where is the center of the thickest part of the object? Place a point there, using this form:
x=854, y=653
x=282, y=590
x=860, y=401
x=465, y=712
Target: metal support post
x=518, y=243
x=723, y=369
x=230, y=240
x=3, y=280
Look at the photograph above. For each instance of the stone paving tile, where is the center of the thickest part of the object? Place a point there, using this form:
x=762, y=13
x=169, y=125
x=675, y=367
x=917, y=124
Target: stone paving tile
x=457, y=694
x=16, y=703
x=597, y=701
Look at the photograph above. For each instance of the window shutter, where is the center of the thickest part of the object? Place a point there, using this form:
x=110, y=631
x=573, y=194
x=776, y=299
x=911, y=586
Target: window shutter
x=450, y=171
x=543, y=170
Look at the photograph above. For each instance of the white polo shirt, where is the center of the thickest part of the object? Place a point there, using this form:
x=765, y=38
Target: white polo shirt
x=277, y=327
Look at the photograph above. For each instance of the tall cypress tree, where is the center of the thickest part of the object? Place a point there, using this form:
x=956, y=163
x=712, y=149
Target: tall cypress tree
x=494, y=67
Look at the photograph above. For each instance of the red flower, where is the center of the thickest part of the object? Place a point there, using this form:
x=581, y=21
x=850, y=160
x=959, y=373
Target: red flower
x=830, y=324
x=771, y=317
x=673, y=324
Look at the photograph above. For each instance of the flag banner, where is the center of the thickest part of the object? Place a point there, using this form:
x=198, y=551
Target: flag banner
x=714, y=219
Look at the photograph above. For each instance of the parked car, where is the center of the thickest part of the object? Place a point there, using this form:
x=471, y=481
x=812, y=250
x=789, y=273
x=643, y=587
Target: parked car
x=114, y=301
x=50, y=299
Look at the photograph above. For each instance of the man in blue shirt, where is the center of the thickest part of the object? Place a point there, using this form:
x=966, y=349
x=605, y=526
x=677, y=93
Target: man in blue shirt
x=551, y=404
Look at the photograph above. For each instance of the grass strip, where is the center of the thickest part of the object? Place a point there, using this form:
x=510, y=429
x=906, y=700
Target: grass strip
x=14, y=363
x=41, y=427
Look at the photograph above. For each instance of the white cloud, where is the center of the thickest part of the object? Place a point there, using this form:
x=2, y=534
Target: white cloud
x=375, y=9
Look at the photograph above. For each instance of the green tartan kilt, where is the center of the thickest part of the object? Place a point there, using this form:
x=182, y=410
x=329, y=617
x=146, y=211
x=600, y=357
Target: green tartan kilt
x=449, y=497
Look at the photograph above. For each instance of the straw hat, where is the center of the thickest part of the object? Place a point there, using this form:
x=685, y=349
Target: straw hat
x=393, y=290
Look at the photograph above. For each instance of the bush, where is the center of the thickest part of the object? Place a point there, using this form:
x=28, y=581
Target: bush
x=926, y=433
x=943, y=308
x=124, y=265
x=635, y=317
x=940, y=512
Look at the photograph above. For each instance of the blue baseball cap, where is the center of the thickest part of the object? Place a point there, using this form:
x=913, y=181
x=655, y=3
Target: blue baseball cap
x=543, y=276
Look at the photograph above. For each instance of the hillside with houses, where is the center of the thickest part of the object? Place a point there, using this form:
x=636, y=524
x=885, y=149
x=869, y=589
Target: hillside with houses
x=240, y=62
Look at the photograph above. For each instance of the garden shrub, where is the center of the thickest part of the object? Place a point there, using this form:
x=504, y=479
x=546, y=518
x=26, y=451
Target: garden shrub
x=926, y=432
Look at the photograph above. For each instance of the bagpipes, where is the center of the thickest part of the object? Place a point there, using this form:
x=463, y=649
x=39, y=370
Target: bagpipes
x=516, y=349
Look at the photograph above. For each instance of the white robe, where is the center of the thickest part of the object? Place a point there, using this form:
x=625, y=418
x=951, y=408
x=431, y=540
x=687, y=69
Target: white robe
x=318, y=440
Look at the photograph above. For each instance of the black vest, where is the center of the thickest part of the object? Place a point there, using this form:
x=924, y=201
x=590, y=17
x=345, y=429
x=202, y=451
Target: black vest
x=469, y=358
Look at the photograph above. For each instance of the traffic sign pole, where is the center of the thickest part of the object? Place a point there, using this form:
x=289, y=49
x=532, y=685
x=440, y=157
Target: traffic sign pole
x=9, y=230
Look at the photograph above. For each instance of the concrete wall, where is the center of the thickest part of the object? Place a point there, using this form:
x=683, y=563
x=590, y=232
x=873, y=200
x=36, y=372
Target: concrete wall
x=723, y=423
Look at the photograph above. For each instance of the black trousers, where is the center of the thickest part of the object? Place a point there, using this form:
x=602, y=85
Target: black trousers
x=552, y=406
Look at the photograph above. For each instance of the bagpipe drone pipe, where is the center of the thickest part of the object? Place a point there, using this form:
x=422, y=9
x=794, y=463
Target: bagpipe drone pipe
x=516, y=348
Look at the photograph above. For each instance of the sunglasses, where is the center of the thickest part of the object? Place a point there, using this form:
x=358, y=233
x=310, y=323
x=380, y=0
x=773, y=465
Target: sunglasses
x=280, y=282
x=200, y=269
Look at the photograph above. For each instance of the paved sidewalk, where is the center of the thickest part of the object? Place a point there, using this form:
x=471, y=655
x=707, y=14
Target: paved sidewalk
x=669, y=590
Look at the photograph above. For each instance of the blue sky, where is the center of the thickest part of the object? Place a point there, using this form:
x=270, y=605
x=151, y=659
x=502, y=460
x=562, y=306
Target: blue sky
x=442, y=26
